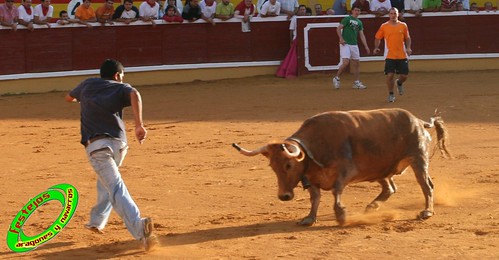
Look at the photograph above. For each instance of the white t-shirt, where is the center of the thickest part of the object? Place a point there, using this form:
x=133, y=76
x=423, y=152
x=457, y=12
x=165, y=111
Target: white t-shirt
x=24, y=15
x=39, y=12
x=208, y=11
x=413, y=5
x=268, y=8
x=375, y=5
x=145, y=10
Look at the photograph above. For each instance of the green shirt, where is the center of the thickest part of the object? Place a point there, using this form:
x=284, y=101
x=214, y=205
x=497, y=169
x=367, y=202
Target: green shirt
x=351, y=28
x=431, y=3
x=223, y=9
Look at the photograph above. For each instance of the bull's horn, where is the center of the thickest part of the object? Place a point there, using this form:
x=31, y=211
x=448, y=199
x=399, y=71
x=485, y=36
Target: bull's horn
x=250, y=153
x=295, y=153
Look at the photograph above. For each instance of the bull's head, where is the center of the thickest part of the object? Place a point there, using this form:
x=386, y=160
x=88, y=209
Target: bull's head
x=287, y=161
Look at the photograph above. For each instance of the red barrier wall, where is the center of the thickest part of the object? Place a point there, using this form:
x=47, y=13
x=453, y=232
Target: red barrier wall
x=81, y=48
x=431, y=35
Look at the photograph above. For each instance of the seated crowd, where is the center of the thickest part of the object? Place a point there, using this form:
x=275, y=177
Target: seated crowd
x=174, y=11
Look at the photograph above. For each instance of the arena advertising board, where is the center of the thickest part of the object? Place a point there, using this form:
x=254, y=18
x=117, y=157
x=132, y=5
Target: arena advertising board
x=18, y=241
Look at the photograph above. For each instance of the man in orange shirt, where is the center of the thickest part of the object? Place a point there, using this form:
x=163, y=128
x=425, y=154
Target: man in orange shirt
x=105, y=13
x=85, y=14
x=397, y=49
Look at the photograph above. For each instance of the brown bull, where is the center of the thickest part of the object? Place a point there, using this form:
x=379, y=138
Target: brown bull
x=334, y=149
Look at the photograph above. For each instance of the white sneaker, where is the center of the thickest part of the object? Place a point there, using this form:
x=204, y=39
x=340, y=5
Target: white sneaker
x=336, y=82
x=358, y=85
x=391, y=98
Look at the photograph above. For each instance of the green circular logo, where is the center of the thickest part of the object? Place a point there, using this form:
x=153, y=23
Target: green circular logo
x=64, y=193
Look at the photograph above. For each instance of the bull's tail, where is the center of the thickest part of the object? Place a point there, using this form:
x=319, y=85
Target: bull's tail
x=442, y=134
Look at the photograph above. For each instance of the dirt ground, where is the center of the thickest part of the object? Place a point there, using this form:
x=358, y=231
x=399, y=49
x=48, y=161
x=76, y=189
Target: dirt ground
x=209, y=202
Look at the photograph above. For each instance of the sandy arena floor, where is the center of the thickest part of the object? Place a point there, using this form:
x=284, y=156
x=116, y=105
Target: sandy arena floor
x=209, y=202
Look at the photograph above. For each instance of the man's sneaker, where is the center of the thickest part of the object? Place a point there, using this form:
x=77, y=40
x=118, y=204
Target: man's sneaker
x=358, y=85
x=391, y=98
x=94, y=229
x=336, y=82
x=400, y=88
x=149, y=239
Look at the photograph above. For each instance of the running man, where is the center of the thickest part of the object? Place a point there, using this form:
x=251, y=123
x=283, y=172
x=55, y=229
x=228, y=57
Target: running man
x=347, y=31
x=103, y=134
x=397, y=50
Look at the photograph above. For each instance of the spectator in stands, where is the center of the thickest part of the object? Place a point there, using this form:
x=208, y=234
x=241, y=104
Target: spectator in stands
x=126, y=13
x=271, y=8
x=225, y=10
x=380, y=7
x=488, y=7
x=9, y=15
x=474, y=7
x=466, y=4
x=400, y=5
x=448, y=6
x=414, y=7
x=85, y=14
x=192, y=11
x=245, y=10
x=149, y=11
x=105, y=13
x=43, y=13
x=64, y=18
x=363, y=5
x=318, y=9
x=289, y=7
x=308, y=11
x=26, y=14
x=178, y=6
x=348, y=31
x=459, y=6
x=330, y=11
x=340, y=7
x=171, y=16
x=289, y=67
x=432, y=5
x=208, y=9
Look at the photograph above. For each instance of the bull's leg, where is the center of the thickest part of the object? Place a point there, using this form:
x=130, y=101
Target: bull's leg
x=339, y=209
x=420, y=168
x=387, y=189
x=315, y=199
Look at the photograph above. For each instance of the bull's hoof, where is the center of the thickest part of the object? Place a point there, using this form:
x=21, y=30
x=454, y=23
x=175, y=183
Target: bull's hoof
x=307, y=221
x=425, y=214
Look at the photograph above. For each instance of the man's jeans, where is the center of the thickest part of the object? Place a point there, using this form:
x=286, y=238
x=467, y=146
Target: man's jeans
x=105, y=156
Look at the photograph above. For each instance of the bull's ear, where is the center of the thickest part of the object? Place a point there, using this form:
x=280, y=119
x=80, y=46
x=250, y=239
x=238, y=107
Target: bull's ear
x=266, y=154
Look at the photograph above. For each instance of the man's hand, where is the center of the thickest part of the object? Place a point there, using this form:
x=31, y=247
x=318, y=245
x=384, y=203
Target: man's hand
x=140, y=133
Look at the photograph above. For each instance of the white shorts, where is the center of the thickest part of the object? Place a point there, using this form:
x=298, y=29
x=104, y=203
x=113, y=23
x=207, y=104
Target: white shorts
x=350, y=52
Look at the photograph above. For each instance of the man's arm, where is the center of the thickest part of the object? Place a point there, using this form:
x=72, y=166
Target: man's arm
x=338, y=31
x=140, y=131
x=376, y=45
x=363, y=40
x=408, y=46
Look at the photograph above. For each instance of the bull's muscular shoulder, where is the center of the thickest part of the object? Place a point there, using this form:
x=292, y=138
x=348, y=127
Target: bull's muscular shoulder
x=336, y=134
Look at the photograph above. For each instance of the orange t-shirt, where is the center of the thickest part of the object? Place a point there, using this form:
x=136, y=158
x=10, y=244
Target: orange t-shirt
x=395, y=36
x=84, y=14
x=104, y=13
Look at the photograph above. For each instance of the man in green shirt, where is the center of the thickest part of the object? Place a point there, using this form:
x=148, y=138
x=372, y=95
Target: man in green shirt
x=224, y=10
x=347, y=31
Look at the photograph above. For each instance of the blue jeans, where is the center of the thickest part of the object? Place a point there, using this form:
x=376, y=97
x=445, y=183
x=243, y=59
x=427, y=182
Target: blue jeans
x=105, y=156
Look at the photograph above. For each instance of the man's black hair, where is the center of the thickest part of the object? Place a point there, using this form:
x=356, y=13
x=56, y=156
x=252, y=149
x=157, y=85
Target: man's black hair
x=109, y=68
